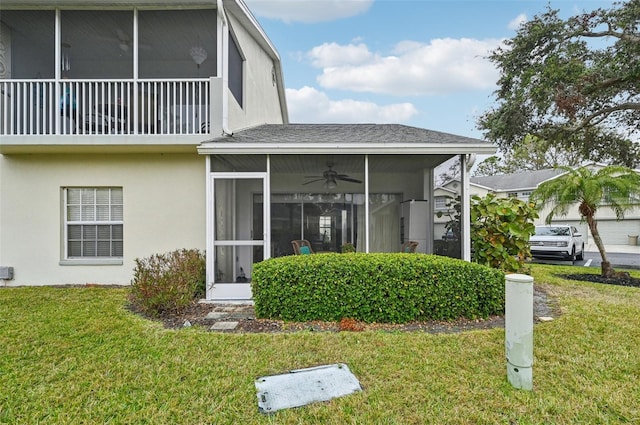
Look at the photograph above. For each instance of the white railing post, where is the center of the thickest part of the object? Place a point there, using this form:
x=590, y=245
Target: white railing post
x=519, y=330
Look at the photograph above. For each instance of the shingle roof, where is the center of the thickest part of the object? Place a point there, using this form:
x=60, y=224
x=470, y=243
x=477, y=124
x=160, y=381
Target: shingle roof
x=344, y=133
x=523, y=180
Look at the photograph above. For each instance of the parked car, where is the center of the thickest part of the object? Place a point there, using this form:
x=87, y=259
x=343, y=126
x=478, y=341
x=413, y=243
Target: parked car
x=555, y=241
x=449, y=236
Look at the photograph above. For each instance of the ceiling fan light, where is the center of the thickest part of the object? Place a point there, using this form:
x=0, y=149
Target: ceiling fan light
x=198, y=54
x=330, y=184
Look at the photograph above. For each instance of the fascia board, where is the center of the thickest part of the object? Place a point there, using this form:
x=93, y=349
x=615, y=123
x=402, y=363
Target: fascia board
x=344, y=148
x=514, y=189
x=552, y=178
x=444, y=189
x=481, y=186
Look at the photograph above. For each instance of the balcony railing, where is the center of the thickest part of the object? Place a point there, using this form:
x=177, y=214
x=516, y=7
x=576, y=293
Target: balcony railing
x=105, y=107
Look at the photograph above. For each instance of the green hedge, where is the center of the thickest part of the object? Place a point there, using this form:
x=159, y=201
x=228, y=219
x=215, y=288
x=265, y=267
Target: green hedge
x=383, y=288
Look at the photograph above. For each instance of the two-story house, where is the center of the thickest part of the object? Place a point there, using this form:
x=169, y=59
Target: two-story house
x=129, y=128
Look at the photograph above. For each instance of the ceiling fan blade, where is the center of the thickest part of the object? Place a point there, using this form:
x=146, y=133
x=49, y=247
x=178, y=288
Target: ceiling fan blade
x=348, y=179
x=313, y=181
x=122, y=36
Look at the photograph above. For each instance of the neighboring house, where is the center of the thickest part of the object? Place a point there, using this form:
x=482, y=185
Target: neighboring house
x=521, y=185
x=444, y=196
x=129, y=129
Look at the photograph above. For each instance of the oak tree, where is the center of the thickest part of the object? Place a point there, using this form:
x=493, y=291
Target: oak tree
x=573, y=83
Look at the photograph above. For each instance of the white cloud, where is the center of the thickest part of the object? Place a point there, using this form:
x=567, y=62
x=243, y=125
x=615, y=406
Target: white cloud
x=308, y=11
x=333, y=54
x=442, y=66
x=309, y=105
x=517, y=22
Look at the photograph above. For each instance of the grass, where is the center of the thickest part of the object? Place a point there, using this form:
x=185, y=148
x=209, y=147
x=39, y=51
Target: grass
x=76, y=355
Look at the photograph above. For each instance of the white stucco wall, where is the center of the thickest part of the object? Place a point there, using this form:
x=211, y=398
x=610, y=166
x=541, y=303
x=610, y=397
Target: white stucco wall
x=164, y=210
x=261, y=103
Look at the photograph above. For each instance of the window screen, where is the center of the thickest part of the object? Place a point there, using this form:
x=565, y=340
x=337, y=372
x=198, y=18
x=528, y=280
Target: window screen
x=235, y=71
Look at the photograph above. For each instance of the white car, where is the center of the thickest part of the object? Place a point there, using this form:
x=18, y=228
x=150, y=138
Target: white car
x=555, y=241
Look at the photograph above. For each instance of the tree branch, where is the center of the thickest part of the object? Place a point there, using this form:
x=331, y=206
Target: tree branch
x=609, y=83
x=606, y=111
x=621, y=35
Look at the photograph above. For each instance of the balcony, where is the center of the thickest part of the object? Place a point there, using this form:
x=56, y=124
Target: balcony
x=105, y=107
x=89, y=79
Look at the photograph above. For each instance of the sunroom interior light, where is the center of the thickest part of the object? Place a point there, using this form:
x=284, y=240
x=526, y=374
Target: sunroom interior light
x=330, y=183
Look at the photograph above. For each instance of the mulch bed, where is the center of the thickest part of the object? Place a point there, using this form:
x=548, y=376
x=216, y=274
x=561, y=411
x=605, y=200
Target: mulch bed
x=195, y=315
x=545, y=306
x=622, y=279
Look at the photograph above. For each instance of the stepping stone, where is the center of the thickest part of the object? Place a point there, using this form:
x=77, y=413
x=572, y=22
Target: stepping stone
x=227, y=308
x=223, y=326
x=241, y=315
x=216, y=315
x=545, y=319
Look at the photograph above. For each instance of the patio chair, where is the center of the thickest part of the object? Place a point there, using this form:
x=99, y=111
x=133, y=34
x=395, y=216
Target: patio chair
x=409, y=246
x=301, y=247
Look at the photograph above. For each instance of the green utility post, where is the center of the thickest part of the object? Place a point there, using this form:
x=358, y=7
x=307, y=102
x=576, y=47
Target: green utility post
x=519, y=330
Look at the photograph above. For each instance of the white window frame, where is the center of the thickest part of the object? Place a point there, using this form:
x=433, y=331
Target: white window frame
x=524, y=195
x=440, y=203
x=88, y=260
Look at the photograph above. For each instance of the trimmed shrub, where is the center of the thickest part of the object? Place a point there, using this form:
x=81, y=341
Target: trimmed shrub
x=384, y=287
x=168, y=282
x=348, y=247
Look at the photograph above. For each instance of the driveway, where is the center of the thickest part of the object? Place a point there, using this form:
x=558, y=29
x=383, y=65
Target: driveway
x=626, y=260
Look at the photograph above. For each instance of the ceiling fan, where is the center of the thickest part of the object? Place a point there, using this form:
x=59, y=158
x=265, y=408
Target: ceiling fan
x=124, y=40
x=331, y=178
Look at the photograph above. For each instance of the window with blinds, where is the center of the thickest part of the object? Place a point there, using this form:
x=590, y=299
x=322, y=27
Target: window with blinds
x=93, y=222
x=440, y=202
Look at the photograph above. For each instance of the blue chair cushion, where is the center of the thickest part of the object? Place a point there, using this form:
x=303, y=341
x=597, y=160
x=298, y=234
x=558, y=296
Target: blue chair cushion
x=305, y=250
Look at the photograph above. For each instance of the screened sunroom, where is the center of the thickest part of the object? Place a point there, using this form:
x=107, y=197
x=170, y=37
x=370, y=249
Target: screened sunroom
x=370, y=186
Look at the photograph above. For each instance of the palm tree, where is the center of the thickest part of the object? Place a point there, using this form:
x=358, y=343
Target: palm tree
x=613, y=186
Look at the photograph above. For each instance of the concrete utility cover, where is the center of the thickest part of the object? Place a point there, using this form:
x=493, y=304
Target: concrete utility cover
x=303, y=386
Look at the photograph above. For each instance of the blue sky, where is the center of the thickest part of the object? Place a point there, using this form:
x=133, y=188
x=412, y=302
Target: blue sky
x=418, y=62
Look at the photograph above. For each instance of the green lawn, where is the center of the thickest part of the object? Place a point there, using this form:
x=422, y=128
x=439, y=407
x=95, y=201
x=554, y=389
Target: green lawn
x=76, y=355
